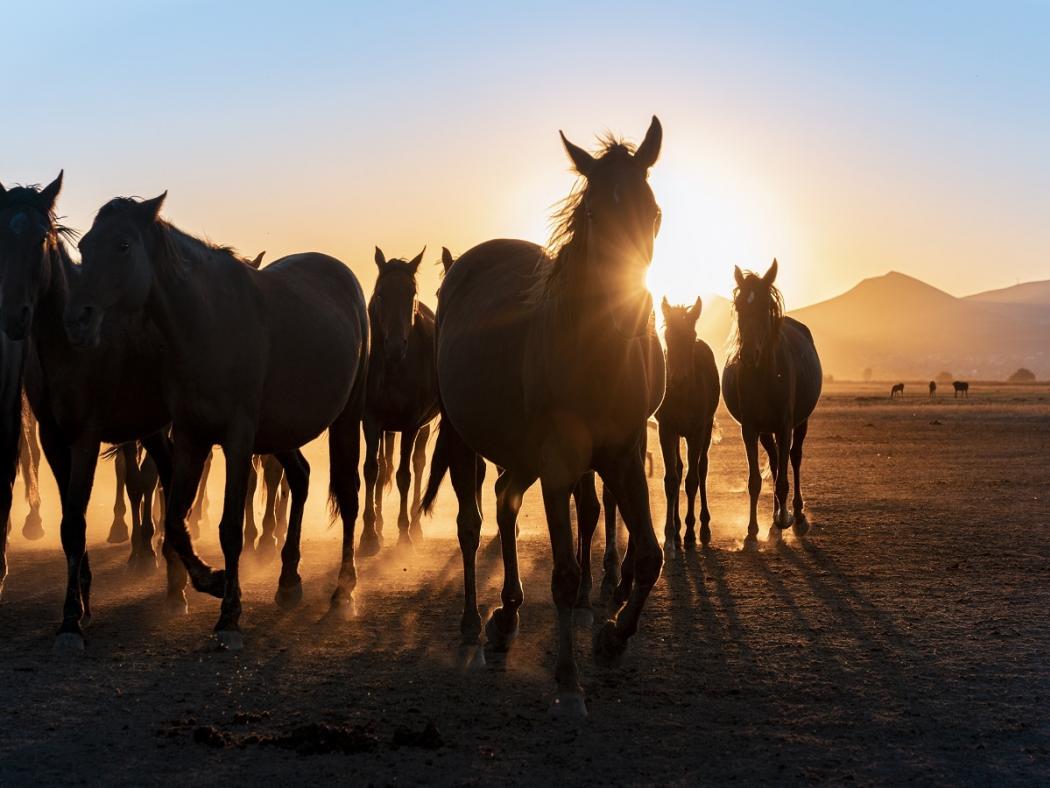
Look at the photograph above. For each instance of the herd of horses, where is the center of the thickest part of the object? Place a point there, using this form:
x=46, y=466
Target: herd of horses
x=544, y=361
x=961, y=387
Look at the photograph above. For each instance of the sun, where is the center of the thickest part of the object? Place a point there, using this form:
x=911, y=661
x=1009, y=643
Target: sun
x=711, y=222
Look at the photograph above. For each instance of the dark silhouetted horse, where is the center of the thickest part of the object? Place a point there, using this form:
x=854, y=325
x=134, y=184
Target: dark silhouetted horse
x=258, y=362
x=898, y=388
x=546, y=368
x=29, y=467
x=136, y=473
x=687, y=411
x=771, y=385
x=80, y=397
x=933, y=389
x=402, y=394
x=961, y=387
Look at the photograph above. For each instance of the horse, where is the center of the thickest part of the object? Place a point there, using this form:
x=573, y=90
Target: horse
x=29, y=467
x=81, y=397
x=961, y=387
x=687, y=411
x=933, y=389
x=897, y=388
x=256, y=361
x=137, y=473
x=402, y=394
x=545, y=368
x=771, y=385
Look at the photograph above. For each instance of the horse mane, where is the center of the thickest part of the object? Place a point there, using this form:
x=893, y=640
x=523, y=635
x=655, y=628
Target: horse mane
x=182, y=251
x=567, y=243
x=776, y=301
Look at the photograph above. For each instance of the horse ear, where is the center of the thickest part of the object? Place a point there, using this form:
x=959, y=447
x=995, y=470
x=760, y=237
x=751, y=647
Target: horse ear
x=415, y=261
x=649, y=150
x=695, y=310
x=257, y=262
x=150, y=209
x=581, y=159
x=771, y=274
x=380, y=258
x=50, y=192
x=665, y=307
x=3, y=191
x=738, y=275
x=446, y=258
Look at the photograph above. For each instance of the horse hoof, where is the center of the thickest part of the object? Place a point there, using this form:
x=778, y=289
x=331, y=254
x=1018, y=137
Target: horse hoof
x=801, y=525
x=342, y=609
x=609, y=647
x=145, y=564
x=175, y=605
x=85, y=621
x=289, y=596
x=774, y=536
x=33, y=530
x=569, y=706
x=265, y=551
x=415, y=531
x=471, y=657
x=68, y=643
x=705, y=535
x=496, y=636
x=118, y=533
x=583, y=617
x=369, y=546
x=229, y=639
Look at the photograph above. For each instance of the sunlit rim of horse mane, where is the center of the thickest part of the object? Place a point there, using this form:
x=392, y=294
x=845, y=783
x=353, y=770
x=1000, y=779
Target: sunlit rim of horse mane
x=23, y=194
x=776, y=301
x=182, y=247
x=568, y=218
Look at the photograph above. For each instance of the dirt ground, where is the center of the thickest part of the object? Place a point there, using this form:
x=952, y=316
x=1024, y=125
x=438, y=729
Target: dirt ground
x=905, y=639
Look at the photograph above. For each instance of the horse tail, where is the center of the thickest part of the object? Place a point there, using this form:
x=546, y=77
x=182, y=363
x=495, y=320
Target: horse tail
x=354, y=412
x=440, y=461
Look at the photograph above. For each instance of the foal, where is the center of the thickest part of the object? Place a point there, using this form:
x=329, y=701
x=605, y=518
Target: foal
x=687, y=411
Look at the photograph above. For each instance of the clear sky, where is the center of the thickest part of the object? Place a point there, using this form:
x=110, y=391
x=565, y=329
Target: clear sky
x=845, y=138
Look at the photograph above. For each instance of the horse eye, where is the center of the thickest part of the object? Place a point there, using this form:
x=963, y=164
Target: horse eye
x=123, y=246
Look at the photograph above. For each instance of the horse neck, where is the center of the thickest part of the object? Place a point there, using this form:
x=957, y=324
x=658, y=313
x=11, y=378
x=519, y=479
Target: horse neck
x=53, y=296
x=177, y=303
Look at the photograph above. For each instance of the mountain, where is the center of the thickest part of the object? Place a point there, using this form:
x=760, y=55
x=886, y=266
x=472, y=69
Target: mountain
x=900, y=327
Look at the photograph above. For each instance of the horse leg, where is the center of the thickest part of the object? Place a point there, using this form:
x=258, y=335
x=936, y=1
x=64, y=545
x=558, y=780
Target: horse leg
x=189, y=456
x=588, y=511
x=148, y=475
x=297, y=471
x=479, y=479
x=237, y=451
x=611, y=561
x=118, y=531
x=705, y=514
x=159, y=451
x=692, y=482
x=754, y=479
x=463, y=471
x=284, y=495
x=783, y=519
x=251, y=532
x=565, y=583
x=404, y=481
x=370, y=541
x=769, y=443
x=199, y=510
x=10, y=436
x=83, y=457
x=669, y=446
x=386, y=473
x=801, y=523
x=502, y=626
x=419, y=463
x=344, y=454
x=29, y=458
x=142, y=558
x=273, y=474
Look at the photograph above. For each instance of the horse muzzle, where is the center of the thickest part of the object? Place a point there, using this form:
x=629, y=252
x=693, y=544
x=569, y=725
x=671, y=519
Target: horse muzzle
x=83, y=325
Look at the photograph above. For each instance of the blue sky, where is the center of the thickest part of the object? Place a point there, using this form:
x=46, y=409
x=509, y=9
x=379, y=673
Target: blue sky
x=844, y=138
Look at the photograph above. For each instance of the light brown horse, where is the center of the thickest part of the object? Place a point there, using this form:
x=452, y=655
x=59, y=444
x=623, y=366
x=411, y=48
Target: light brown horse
x=258, y=362
x=545, y=368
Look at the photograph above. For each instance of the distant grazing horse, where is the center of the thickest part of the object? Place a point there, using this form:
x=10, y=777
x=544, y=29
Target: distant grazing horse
x=546, y=369
x=29, y=467
x=687, y=411
x=898, y=388
x=961, y=387
x=402, y=393
x=81, y=397
x=771, y=385
x=258, y=362
x=933, y=389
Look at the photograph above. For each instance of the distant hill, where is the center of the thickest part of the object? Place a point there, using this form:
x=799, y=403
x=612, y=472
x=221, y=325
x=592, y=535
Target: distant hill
x=901, y=327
